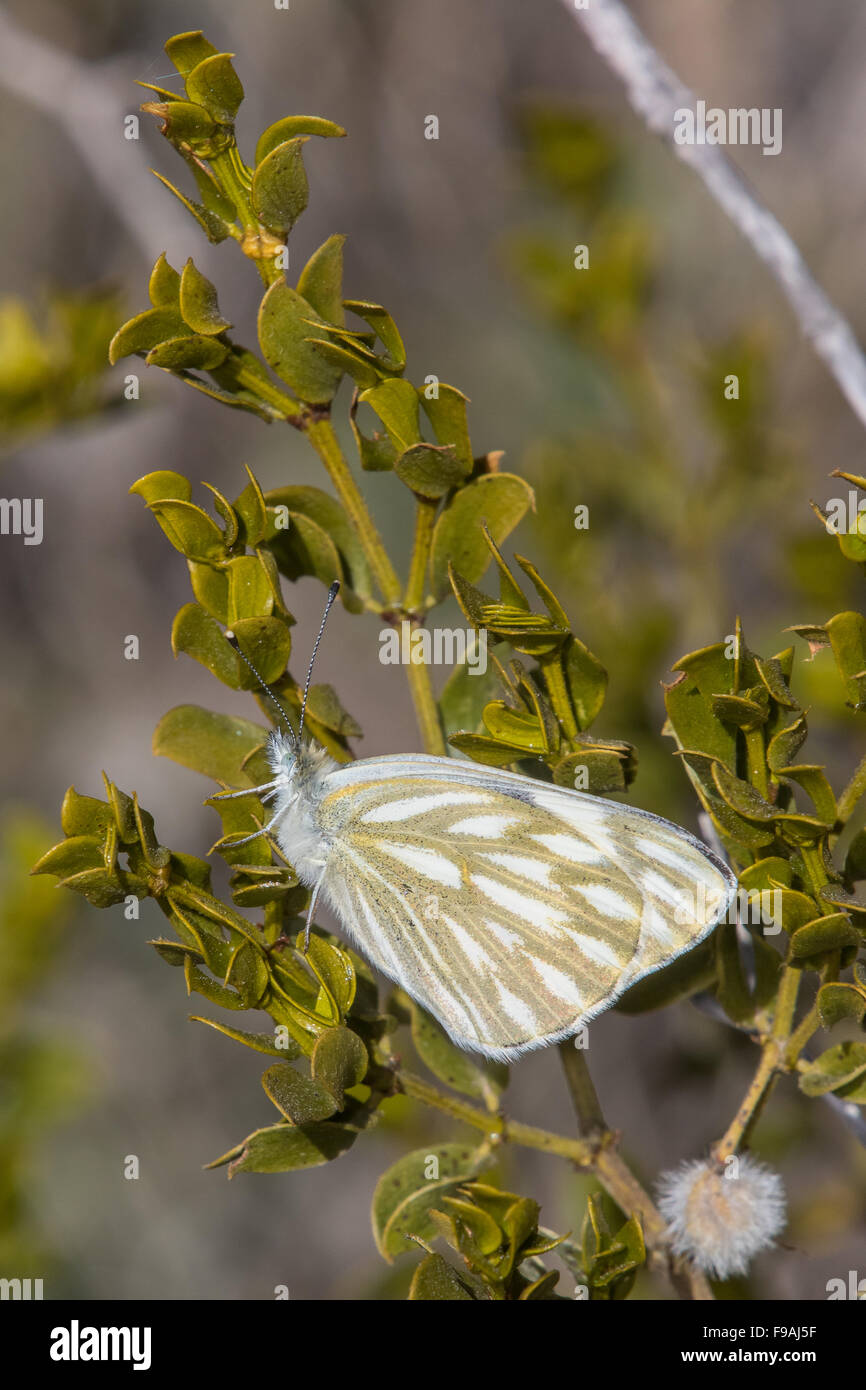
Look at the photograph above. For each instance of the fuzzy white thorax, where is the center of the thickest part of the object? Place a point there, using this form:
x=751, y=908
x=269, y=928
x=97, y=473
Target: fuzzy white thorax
x=301, y=771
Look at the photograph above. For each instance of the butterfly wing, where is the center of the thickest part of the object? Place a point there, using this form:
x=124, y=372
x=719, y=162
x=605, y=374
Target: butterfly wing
x=512, y=910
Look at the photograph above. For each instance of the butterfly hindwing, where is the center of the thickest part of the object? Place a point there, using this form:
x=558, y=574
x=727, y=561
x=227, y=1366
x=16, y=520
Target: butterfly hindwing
x=512, y=910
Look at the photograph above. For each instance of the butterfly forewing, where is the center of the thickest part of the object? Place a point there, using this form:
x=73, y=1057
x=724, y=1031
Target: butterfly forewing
x=511, y=910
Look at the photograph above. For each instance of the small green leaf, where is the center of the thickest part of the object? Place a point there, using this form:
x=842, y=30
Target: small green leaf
x=191, y=353
x=840, y=1001
x=396, y=404
x=146, y=331
x=385, y=329
x=289, y=128
x=164, y=287
x=486, y=1080
x=429, y=470
x=841, y=1069
x=280, y=190
x=284, y=1148
x=408, y=1190
x=190, y=530
x=339, y=1061
x=299, y=1097
x=217, y=745
x=586, y=679
x=447, y=414
x=831, y=933
x=259, y=1042
x=499, y=499
x=215, y=227
x=321, y=280
x=198, y=302
x=215, y=85
x=284, y=327
x=189, y=49
x=434, y=1279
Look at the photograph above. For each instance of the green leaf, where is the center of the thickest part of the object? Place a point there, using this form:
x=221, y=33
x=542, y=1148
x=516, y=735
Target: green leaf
x=191, y=353
x=486, y=1080
x=701, y=676
x=190, y=530
x=330, y=517
x=405, y=1193
x=251, y=510
x=467, y=690
x=289, y=128
x=429, y=470
x=299, y=1097
x=215, y=227
x=358, y=364
x=482, y=749
x=324, y=707
x=831, y=933
x=280, y=190
x=396, y=404
x=200, y=636
x=198, y=302
x=321, y=280
x=840, y=1001
x=284, y=1148
x=84, y=815
x=385, y=329
x=217, y=745
x=215, y=85
x=164, y=287
x=187, y=123
x=841, y=1069
x=499, y=499
x=814, y=783
x=259, y=1042
x=284, y=327
x=586, y=679
x=339, y=1061
x=786, y=744
x=847, y=634
x=447, y=414
x=434, y=1279
x=855, y=858
x=249, y=589
x=189, y=49
x=146, y=331
x=518, y=730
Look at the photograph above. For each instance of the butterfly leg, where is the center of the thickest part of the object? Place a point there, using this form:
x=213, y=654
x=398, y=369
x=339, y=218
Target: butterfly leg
x=264, y=830
x=247, y=791
x=311, y=910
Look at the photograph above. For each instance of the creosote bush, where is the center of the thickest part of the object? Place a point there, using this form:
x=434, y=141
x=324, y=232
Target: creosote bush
x=334, y=1048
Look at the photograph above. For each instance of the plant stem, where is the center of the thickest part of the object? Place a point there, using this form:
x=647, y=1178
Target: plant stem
x=426, y=711
x=772, y=1061
x=619, y=1182
x=757, y=761
x=323, y=439
x=425, y=519
x=578, y=1150
x=580, y=1084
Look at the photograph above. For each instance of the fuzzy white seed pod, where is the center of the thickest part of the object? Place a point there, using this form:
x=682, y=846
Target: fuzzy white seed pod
x=722, y=1216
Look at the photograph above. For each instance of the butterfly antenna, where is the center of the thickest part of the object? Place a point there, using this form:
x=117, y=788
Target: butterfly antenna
x=233, y=641
x=332, y=594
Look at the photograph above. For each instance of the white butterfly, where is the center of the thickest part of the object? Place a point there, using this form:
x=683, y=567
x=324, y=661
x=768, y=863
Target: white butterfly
x=512, y=910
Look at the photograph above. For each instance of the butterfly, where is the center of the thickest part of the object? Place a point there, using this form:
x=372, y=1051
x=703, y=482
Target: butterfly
x=513, y=911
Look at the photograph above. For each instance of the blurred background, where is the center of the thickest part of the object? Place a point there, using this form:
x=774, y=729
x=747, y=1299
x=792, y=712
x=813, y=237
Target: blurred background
x=609, y=396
